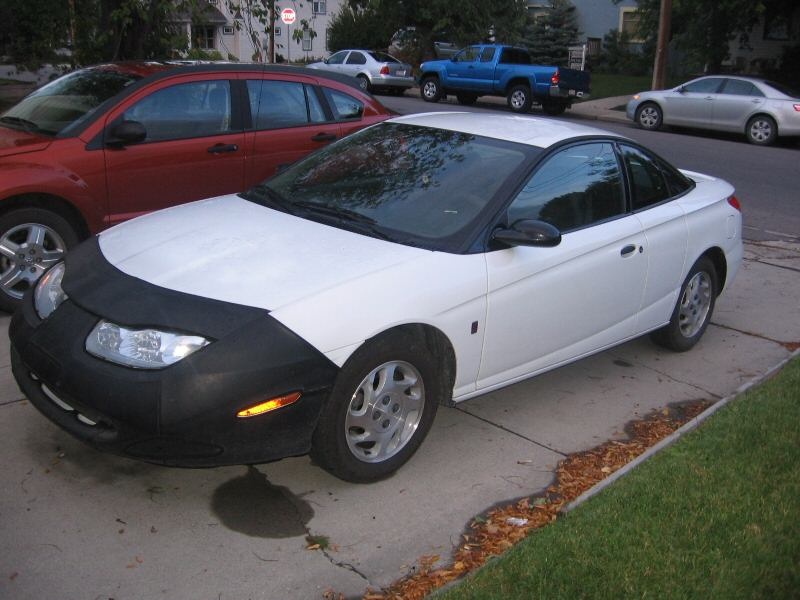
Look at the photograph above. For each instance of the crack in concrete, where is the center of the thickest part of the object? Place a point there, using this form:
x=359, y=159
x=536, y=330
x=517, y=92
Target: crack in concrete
x=7, y=402
x=791, y=346
x=675, y=379
x=507, y=430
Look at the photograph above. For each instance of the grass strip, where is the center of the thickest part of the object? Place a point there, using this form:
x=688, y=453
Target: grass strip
x=715, y=516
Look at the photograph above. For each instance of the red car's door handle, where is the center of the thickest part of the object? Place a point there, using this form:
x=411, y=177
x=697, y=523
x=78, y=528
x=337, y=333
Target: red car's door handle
x=220, y=148
x=323, y=137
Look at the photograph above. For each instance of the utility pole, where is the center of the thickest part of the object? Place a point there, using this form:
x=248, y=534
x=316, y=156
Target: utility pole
x=660, y=64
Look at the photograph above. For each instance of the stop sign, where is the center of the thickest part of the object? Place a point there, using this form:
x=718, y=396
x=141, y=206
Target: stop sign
x=288, y=16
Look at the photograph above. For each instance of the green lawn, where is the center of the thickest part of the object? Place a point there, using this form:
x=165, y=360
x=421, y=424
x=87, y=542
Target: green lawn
x=715, y=516
x=606, y=86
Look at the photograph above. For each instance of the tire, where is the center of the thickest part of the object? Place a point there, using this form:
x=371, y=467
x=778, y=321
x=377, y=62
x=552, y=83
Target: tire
x=347, y=440
x=430, y=89
x=363, y=83
x=554, y=109
x=761, y=130
x=693, y=310
x=31, y=240
x=649, y=116
x=519, y=98
x=467, y=99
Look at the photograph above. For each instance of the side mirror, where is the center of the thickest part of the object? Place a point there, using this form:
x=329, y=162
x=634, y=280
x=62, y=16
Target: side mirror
x=126, y=132
x=681, y=90
x=528, y=232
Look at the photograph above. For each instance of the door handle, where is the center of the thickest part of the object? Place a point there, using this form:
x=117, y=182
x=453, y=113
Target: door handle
x=628, y=250
x=220, y=148
x=323, y=137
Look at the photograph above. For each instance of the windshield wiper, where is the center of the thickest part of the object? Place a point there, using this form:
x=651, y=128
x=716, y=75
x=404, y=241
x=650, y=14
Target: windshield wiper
x=27, y=125
x=361, y=223
x=266, y=196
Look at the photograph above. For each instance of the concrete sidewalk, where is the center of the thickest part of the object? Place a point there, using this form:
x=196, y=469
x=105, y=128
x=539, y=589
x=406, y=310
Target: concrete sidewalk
x=78, y=524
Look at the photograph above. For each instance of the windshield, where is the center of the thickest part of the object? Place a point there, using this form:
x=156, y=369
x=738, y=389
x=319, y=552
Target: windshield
x=783, y=89
x=66, y=100
x=383, y=57
x=416, y=185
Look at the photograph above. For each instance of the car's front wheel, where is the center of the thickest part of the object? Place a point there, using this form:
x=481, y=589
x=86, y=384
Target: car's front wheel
x=649, y=116
x=31, y=240
x=762, y=130
x=380, y=409
x=692, y=312
x=430, y=89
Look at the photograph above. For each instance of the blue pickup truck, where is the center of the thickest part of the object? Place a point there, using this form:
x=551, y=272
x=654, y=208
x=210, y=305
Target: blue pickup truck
x=496, y=70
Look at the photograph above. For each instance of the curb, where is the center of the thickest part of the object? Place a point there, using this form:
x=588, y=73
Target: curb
x=677, y=434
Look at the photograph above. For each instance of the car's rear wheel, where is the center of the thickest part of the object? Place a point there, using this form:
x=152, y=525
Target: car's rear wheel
x=649, y=116
x=31, y=240
x=519, y=98
x=693, y=310
x=762, y=130
x=380, y=409
x=430, y=89
x=467, y=99
x=363, y=82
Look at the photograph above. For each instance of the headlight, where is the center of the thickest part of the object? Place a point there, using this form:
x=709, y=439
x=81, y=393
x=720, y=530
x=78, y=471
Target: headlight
x=140, y=348
x=48, y=293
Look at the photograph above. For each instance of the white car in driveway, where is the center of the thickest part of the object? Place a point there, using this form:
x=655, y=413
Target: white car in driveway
x=330, y=309
x=373, y=70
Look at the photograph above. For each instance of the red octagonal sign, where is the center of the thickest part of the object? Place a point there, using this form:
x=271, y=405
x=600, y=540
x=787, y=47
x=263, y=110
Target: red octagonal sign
x=288, y=16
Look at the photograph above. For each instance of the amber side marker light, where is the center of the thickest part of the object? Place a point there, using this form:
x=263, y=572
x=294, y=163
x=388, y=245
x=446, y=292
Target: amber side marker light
x=269, y=405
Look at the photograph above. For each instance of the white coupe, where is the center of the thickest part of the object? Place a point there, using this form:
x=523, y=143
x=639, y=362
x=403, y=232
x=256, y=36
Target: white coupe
x=425, y=260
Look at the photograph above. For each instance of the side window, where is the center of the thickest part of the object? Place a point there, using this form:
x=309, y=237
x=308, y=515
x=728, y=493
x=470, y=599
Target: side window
x=186, y=110
x=356, y=58
x=279, y=104
x=487, y=54
x=337, y=58
x=739, y=87
x=467, y=54
x=344, y=107
x=648, y=185
x=575, y=187
x=710, y=85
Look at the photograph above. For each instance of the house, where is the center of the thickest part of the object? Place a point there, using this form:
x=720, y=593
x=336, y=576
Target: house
x=218, y=27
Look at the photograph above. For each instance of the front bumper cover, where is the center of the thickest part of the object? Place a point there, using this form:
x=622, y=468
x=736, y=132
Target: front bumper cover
x=185, y=414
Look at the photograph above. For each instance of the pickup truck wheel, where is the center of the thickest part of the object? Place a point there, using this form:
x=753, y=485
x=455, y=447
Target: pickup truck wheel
x=554, y=109
x=431, y=89
x=649, y=116
x=31, y=240
x=467, y=99
x=519, y=98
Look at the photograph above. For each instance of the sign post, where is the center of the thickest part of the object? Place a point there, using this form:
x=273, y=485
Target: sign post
x=288, y=16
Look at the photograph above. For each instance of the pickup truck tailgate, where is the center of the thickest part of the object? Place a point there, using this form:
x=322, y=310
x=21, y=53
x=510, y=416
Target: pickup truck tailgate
x=571, y=79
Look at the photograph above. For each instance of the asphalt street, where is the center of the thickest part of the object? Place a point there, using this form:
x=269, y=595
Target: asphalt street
x=77, y=524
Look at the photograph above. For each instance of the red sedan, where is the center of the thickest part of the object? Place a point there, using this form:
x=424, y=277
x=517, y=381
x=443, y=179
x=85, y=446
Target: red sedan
x=107, y=143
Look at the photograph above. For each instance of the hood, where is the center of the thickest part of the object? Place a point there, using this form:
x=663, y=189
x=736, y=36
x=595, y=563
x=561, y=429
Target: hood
x=13, y=141
x=233, y=250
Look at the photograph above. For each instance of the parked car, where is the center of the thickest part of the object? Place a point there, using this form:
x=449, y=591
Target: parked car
x=373, y=70
x=332, y=308
x=761, y=109
x=104, y=144
x=495, y=70
x=443, y=47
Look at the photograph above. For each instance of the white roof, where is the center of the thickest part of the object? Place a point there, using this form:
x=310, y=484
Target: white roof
x=534, y=131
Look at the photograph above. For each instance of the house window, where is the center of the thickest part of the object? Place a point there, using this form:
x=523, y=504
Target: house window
x=594, y=46
x=318, y=8
x=327, y=38
x=203, y=37
x=277, y=31
x=306, y=40
x=629, y=19
x=227, y=30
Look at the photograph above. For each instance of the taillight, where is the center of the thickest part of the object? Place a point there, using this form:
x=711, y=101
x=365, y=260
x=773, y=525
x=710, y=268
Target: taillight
x=385, y=70
x=734, y=202
x=555, y=78
x=796, y=107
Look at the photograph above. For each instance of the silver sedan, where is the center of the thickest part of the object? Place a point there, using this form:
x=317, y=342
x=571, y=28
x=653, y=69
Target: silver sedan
x=372, y=69
x=761, y=109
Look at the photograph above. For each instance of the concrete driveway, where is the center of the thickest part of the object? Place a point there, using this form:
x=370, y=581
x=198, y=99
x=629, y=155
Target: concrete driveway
x=76, y=524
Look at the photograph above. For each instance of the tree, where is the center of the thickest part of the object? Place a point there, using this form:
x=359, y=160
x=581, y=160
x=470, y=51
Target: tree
x=549, y=36
x=703, y=29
